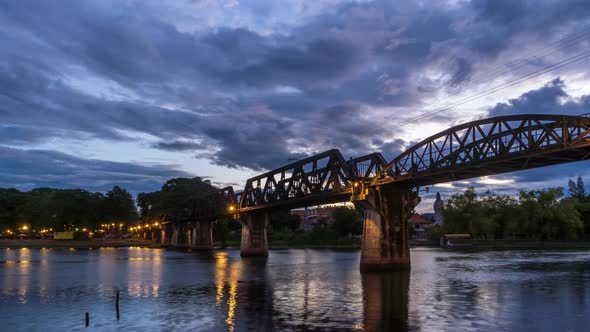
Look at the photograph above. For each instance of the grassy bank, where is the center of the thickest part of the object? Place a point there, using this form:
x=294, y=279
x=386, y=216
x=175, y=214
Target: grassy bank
x=79, y=244
x=479, y=244
x=529, y=244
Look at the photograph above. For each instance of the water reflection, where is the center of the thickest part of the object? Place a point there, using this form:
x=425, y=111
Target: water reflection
x=24, y=268
x=44, y=274
x=144, y=270
x=220, y=270
x=385, y=301
x=244, y=304
x=292, y=290
x=226, y=279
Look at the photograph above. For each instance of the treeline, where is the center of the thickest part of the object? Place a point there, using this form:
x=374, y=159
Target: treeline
x=174, y=200
x=343, y=229
x=537, y=214
x=64, y=209
x=67, y=209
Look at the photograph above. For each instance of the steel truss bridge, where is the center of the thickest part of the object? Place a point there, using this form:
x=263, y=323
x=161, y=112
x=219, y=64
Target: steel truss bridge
x=386, y=191
x=474, y=149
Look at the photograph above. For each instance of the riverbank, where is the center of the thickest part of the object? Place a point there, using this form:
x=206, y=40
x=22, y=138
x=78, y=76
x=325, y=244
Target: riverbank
x=529, y=244
x=510, y=244
x=78, y=244
x=477, y=244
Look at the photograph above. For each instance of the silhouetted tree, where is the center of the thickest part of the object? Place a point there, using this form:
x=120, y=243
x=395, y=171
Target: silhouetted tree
x=576, y=189
x=540, y=214
x=346, y=221
x=176, y=198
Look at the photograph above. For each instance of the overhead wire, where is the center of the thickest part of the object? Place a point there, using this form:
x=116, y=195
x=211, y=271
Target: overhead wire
x=531, y=75
x=516, y=63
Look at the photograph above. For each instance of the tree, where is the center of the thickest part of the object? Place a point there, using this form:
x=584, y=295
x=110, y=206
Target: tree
x=63, y=208
x=225, y=229
x=118, y=205
x=464, y=213
x=346, y=221
x=176, y=197
x=501, y=210
x=576, y=189
x=283, y=219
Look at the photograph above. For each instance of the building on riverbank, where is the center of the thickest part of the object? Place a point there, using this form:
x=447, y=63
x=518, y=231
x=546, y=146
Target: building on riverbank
x=419, y=224
x=310, y=217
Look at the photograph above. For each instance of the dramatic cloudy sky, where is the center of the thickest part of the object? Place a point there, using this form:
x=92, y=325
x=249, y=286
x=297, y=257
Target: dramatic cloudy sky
x=136, y=92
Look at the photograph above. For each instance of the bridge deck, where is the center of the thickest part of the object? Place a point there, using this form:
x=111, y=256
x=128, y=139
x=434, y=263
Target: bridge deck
x=474, y=149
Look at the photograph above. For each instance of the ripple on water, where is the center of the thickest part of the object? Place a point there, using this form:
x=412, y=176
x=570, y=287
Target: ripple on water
x=293, y=290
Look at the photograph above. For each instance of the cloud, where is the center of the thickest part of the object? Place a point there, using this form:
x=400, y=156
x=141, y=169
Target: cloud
x=27, y=169
x=552, y=98
x=250, y=86
x=178, y=146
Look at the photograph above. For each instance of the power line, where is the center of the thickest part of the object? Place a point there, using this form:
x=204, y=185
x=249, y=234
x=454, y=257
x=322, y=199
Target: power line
x=560, y=64
x=519, y=62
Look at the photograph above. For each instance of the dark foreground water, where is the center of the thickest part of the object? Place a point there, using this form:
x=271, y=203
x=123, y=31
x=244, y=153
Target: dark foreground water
x=292, y=290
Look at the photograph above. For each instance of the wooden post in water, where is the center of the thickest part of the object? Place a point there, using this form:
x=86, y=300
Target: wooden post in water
x=117, y=304
x=87, y=318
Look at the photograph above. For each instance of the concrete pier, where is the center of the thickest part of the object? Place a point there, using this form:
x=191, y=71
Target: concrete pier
x=201, y=235
x=168, y=234
x=385, y=300
x=195, y=235
x=385, y=243
x=254, y=241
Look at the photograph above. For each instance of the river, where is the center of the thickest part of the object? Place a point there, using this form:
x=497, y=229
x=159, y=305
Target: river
x=292, y=290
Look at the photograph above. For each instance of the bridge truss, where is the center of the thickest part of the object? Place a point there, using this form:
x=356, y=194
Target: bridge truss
x=478, y=148
x=491, y=146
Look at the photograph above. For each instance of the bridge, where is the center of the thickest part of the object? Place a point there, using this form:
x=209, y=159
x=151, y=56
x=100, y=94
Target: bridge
x=386, y=192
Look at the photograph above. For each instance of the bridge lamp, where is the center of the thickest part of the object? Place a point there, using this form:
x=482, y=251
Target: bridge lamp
x=231, y=208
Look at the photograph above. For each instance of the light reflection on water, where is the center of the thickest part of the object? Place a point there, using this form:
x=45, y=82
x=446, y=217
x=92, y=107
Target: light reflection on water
x=292, y=290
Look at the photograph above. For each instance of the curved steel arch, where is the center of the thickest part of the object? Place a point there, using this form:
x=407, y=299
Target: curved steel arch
x=491, y=146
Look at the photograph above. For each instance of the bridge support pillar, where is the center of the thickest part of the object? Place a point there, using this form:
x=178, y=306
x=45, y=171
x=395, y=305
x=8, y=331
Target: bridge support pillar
x=385, y=299
x=385, y=236
x=167, y=234
x=176, y=235
x=254, y=241
x=201, y=235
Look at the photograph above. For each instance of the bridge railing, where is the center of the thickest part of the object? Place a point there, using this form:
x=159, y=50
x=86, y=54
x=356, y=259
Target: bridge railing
x=366, y=166
x=486, y=140
x=324, y=172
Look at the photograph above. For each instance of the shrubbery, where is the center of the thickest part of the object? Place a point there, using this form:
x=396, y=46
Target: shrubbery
x=537, y=214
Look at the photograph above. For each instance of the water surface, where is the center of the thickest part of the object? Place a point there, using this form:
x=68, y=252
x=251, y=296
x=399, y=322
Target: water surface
x=292, y=290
